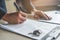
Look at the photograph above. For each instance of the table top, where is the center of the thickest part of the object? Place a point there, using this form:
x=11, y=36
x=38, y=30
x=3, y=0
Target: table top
x=5, y=35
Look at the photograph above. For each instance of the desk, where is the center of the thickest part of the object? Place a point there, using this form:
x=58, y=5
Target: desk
x=5, y=35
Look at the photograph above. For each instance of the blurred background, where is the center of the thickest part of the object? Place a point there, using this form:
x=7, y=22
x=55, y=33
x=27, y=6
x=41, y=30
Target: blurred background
x=46, y=4
x=43, y=5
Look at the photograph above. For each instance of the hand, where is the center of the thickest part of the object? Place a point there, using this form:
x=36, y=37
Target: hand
x=15, y=18
x=41, y=15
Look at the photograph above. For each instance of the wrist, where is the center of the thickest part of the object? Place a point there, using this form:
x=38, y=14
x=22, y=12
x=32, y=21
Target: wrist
x=33, y=11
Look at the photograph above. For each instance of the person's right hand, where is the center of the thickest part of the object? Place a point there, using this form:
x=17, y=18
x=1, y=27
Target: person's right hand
x=15, y=18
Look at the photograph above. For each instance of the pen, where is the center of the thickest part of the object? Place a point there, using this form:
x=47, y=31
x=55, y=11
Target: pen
x=16, y=5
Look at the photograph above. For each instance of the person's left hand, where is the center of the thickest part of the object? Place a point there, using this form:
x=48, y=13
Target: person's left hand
x=41, y=15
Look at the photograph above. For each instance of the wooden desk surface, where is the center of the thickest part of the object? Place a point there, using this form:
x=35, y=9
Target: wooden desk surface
x=5, y=35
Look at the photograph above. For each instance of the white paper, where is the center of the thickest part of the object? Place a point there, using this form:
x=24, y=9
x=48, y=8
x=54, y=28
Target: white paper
x=55, y=17
x=29, y=26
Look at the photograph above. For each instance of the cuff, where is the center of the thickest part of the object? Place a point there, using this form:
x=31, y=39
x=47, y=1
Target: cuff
x=2, y=12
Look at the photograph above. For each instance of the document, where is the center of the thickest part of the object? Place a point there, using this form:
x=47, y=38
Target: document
x=28, y=27
x=55, y=17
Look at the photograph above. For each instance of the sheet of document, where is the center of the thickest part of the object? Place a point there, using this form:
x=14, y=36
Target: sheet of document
x=53, y=34
x=55, y=17
x=29, y=26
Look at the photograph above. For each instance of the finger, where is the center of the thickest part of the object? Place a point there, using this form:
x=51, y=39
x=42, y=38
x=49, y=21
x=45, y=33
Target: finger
x=20, y=21
x=49, y=18
x=22, y=18
x=23, y=14
x=46, y=16
x=36, y=17
x=43, y=15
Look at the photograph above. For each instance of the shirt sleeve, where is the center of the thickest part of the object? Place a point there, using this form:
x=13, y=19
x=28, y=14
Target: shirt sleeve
x=3, y=10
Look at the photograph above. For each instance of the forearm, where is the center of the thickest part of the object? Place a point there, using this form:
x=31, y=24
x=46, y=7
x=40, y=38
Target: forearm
x=27, y=4
x=2, y=8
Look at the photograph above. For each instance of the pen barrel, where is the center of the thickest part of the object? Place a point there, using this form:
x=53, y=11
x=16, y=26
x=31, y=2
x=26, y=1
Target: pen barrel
x=16, y=5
